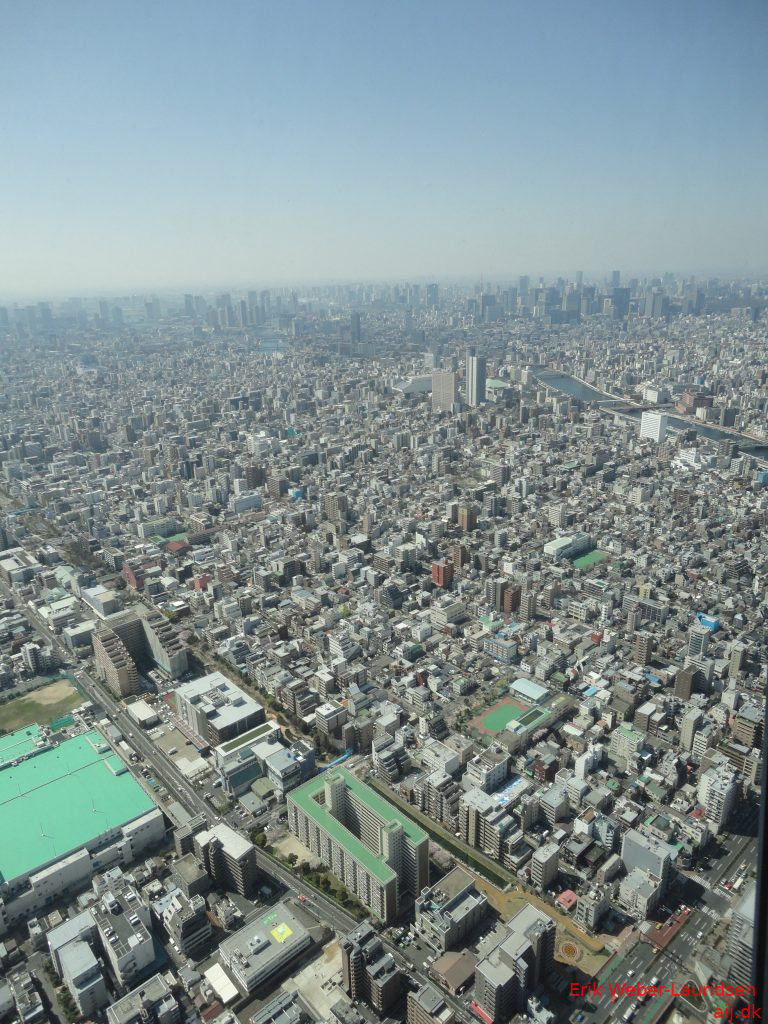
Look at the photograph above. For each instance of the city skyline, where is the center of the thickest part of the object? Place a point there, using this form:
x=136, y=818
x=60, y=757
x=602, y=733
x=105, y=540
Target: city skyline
x=306, y=143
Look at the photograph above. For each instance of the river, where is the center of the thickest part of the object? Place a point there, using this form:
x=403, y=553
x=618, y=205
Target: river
x=569, y=385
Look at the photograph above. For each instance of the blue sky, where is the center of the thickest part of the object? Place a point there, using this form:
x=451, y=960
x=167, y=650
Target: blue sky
x=180, y=144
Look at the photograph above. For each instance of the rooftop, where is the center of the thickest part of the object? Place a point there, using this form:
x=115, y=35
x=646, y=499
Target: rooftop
x=17, y=744
x=305, y=798
x=61, y=799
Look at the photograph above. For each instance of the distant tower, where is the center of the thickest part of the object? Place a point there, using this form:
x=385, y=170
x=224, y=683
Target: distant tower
x=475, y=379
x=355, y=328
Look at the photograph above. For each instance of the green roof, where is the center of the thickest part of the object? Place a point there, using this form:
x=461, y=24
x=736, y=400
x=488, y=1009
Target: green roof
x=61, y=799
x=304, y=798
x=18, y=743
x=246, y=737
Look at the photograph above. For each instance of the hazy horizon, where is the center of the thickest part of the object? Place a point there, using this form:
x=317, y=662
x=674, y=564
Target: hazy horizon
x=184, y=147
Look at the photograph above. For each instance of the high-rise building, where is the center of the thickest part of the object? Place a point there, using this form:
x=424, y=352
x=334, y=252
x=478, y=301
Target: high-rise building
x=127, y=642
x=377, y=851
x=467, y=518
x=643, y=648
x=741, y=939
x=428, y=1006
x=647, y=853
x=355, y=331
x=653, y=425
x=476, y=374
x=689, y=726
x=368, y=971
x=718, y=791
x=442, y=573
x=698, y=641
x=508, y=975
x=228, y=857
x=443, y=391
x=544, y=864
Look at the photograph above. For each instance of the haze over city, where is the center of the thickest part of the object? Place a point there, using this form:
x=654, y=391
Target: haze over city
x=383, y=510
x=180, y=145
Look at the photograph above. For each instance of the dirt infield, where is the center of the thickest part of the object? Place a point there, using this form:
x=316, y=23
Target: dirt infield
x=496, y=717
x=42, y=706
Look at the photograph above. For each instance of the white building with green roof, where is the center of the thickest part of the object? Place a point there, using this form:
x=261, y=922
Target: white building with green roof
x=373, y=848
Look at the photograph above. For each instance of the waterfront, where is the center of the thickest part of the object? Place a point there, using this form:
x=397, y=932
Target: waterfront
x=575, y=388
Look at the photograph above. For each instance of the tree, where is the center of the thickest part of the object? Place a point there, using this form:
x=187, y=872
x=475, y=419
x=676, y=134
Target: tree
x=292, y=859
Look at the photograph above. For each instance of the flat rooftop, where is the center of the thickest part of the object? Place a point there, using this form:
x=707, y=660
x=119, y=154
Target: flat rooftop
x=304, y=797
x=17, y=744
x=259, y=942
x=61, y=799
x=248, y=737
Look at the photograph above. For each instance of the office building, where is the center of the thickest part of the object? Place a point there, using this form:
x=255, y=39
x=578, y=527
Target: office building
x=649, y=854
x=125, y=933
x=83, y=976
x=444, y=394
x=368, y=971
x=374, y=849
x=718, y=791
x=544, y=864
x=188, y=926
x=653, y=425
x=264, y=947
x=698, y=641
x=442, y=573
x=476, y=374
x=151, y=1001
x=216, y=710
x=643, y=648
x=484, y=823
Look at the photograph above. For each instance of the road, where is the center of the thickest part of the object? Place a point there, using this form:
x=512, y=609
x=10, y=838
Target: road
x=669, y=964
x=318, y=905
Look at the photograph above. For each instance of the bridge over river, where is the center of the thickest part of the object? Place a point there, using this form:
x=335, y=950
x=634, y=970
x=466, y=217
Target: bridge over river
x=572, y=387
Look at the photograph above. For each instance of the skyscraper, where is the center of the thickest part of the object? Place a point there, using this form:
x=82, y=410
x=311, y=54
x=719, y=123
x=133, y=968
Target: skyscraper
x=443, y=391
x=475, y=379
x=355, y=327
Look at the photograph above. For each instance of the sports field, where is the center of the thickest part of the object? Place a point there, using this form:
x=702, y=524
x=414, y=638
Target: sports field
x=44, y=705
x=496, y=717
x=590, y=559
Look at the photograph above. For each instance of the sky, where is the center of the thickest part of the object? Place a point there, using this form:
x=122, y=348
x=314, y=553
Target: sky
x=178, y=145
